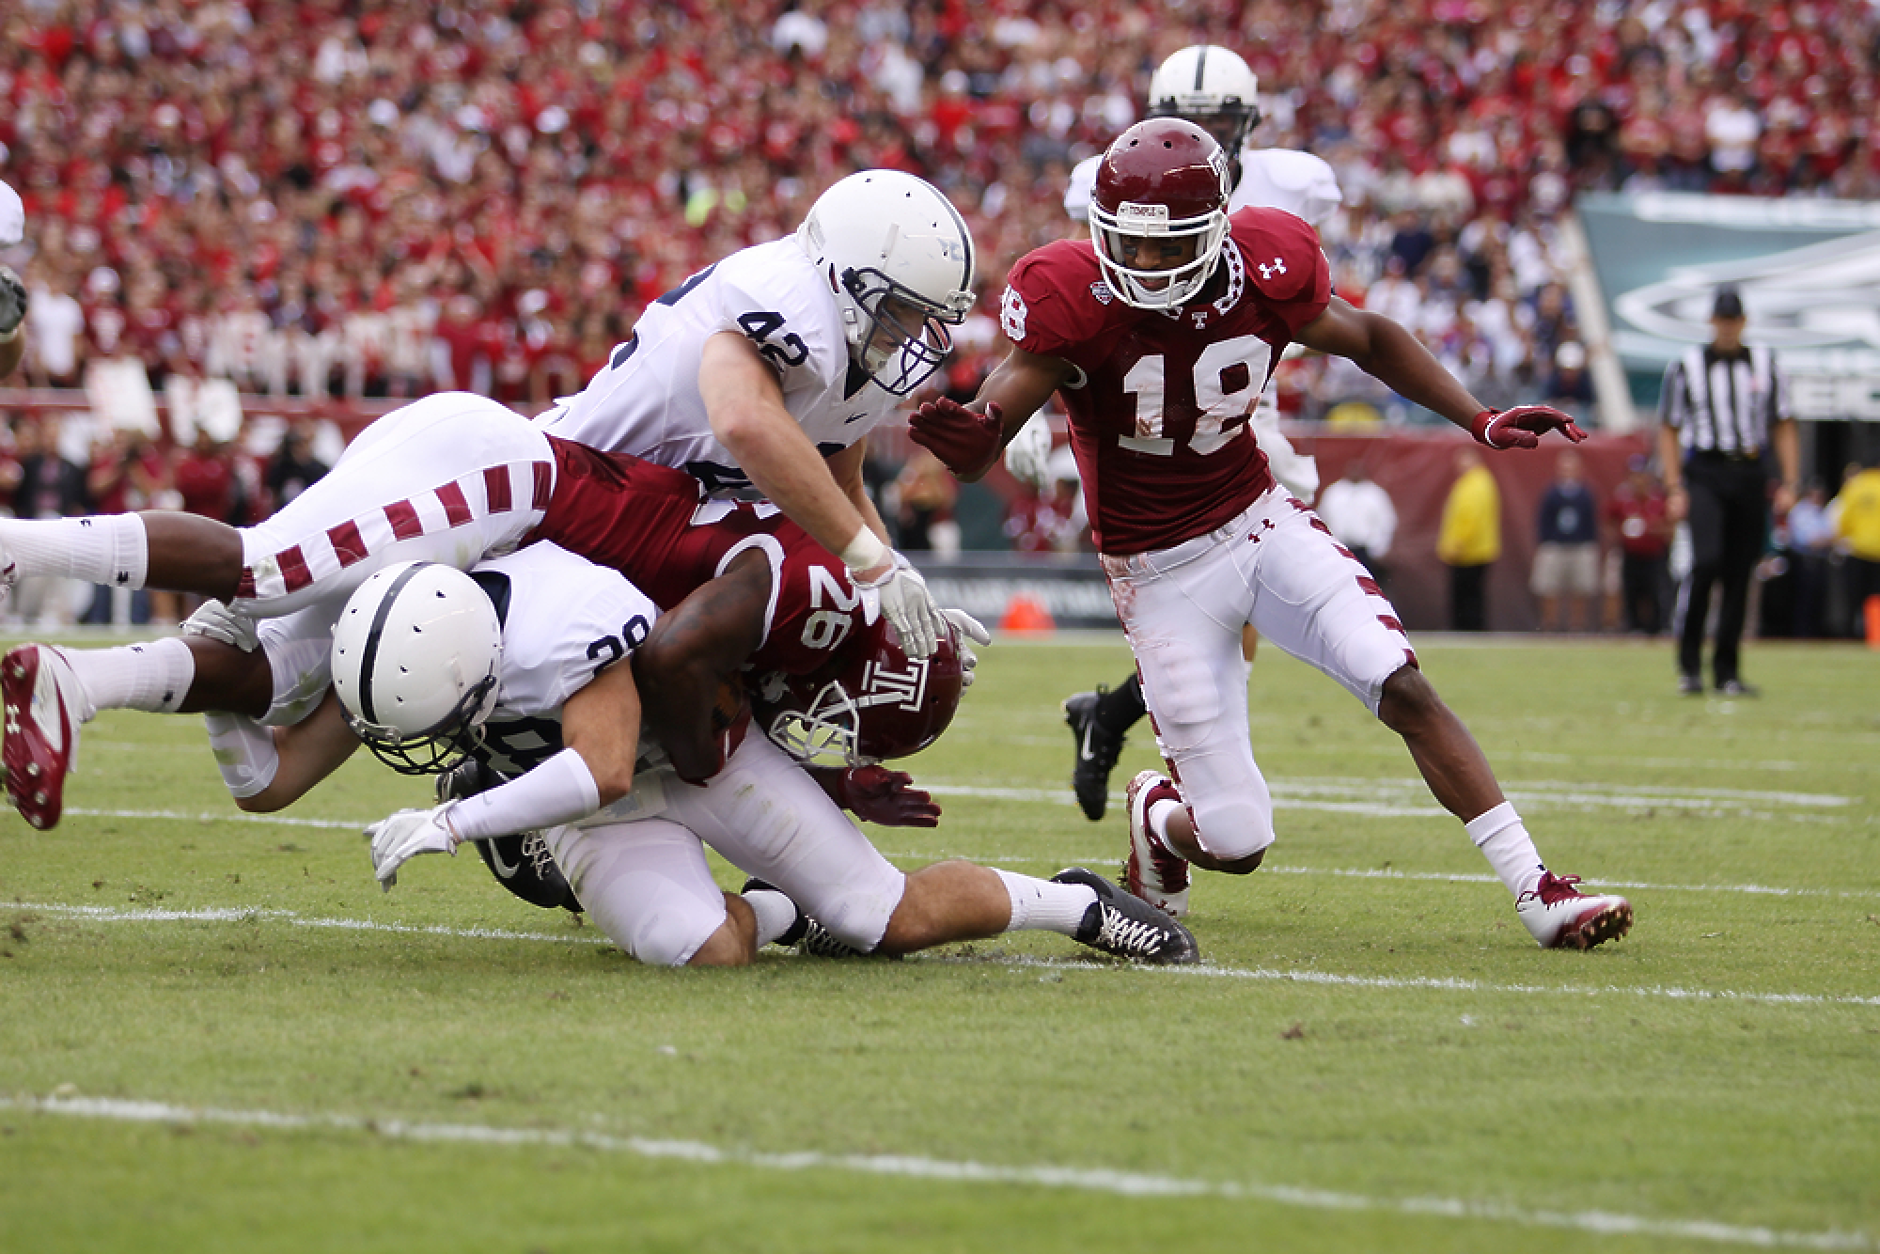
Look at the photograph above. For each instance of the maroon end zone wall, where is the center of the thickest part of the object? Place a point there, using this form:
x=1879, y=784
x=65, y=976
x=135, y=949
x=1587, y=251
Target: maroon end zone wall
x=1417, y=469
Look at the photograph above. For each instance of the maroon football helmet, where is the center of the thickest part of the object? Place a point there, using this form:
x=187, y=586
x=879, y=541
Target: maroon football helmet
x=872, y=704
x=1163, y=179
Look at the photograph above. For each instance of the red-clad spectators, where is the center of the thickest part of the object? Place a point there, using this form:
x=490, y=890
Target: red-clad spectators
x=373, y=198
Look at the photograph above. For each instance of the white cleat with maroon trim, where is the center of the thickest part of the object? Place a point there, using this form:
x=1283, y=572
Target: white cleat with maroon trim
x=1560, y=916
x=1153, y=871
x=45, y=704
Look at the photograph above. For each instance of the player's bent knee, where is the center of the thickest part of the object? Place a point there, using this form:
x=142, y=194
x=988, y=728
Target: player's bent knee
x=723, y=948
x=1409, y=700
x=1240, y=866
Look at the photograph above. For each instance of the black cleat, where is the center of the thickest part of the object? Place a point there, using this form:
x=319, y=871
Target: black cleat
x=1127, y=926
x=806, y=933
x=1097, y=751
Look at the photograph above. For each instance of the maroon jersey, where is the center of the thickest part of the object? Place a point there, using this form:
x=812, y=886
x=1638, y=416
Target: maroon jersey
x=653, y=525
x=1158, y=421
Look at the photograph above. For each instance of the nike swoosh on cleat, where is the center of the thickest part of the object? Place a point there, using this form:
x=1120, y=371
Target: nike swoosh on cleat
x=1083, y=750
x=505, y=869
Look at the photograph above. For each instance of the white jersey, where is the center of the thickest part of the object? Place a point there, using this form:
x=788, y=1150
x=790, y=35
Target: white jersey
x=564, y=620
x=646, y=400
x=1270, y=178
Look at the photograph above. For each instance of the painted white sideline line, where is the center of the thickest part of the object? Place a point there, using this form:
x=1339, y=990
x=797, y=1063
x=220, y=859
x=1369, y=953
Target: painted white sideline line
x=1082, y=1179
x=108, y=914
x=349, y=825
x=105, y=914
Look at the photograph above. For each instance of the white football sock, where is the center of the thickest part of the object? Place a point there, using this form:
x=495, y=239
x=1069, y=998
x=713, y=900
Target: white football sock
x=775, y=913
x=1504, y=841
x=1041, y=905
x=110, y=549
x=153, y=677
x=1158, y=817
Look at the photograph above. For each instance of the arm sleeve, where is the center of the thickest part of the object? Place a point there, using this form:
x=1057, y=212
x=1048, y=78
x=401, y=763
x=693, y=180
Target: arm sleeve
x=561, y=790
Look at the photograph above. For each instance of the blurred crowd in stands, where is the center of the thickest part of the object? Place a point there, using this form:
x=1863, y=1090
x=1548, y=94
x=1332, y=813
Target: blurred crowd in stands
x=366, y=198
x=369, y=198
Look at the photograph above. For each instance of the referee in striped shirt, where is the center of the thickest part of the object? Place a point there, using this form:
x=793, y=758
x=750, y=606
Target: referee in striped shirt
x=1725, y=408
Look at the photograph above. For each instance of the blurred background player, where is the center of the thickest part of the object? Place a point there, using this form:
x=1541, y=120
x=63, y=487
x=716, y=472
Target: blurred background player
x=12, y=291
x=1213, y=88
x=1724, y=409
x=1157, y=334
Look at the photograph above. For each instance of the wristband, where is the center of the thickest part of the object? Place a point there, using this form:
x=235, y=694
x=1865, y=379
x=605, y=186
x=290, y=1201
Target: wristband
x=560, y=790
x=865, y=551
x=244, y=753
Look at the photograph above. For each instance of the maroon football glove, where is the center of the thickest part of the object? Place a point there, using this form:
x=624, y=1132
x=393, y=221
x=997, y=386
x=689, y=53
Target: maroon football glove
x=878, y=795
x=1523, y=426
x=966, y=442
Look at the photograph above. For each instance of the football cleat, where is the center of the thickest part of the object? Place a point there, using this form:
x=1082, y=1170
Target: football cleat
x=1097, y=750
x=1560, y=916
x=1737, y=688
x=521, y=863
x=45, y=705
x=1127, y=926
x=1153, y=871
x=806, y=934
x=1690, y=686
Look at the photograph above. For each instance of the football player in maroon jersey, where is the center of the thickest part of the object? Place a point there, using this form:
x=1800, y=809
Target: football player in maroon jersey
x=1158, y=334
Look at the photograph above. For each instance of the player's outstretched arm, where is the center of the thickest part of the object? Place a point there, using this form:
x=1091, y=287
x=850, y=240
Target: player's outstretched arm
x=969, y=438
x=693, y=651
x=1387, y=352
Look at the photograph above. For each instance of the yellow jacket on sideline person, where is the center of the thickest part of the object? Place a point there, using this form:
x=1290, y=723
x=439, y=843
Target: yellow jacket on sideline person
x=1471, y=530
x=1857, y=515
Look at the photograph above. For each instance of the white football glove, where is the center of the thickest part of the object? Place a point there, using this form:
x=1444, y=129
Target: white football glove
x=972, y=632
x=1028, y=456
x=400, y=837
x=216, y=621
x=907, y=604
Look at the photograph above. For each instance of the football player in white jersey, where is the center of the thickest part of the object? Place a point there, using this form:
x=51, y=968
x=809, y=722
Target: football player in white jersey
x=525, y=664
x=1217, y=91
x=769, y=368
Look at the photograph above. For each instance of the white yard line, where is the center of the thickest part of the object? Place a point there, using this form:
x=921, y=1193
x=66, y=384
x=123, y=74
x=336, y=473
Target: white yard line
x=106, y=914
x=915, y=1167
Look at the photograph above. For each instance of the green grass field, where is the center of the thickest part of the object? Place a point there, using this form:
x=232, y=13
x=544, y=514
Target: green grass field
x=217, y=1034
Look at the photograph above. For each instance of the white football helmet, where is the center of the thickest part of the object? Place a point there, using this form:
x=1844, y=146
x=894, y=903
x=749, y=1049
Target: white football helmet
x=1211, y=87
x=899, y=260
x=416, y=657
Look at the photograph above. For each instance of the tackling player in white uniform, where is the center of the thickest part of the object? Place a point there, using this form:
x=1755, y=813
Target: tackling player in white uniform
x=525, y=663
x=1217, y=91
x=769, y=368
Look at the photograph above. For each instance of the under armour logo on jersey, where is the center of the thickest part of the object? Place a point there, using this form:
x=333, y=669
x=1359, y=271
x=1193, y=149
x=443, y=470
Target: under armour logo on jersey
x=906, y=689
x=1012, y=313
x=1267, y=271
x=1201, y=318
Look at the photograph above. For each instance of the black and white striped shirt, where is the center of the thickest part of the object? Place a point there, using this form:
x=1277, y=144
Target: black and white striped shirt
x=1724, y=402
